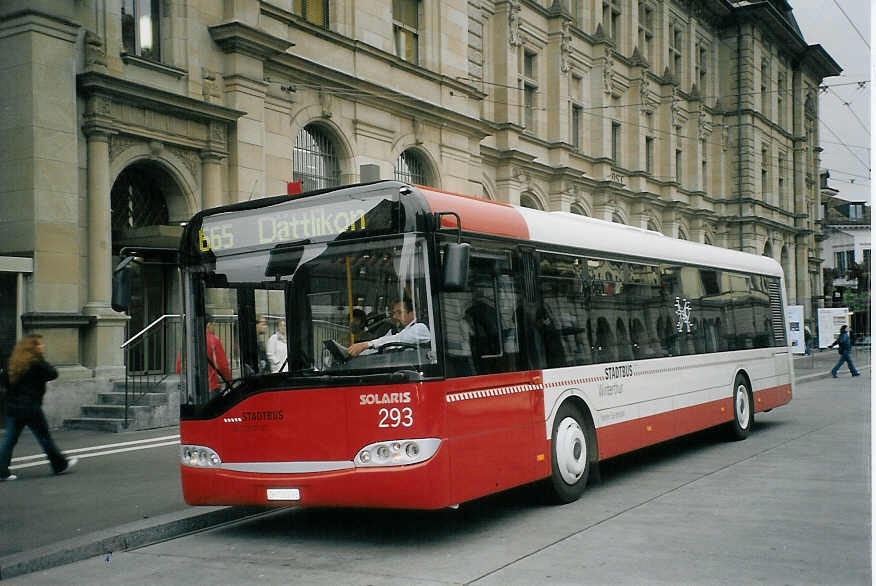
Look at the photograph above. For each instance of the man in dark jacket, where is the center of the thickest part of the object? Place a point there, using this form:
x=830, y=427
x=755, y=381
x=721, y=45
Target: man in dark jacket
x=844, y=346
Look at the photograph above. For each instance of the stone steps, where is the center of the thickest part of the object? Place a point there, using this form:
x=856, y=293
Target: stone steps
x=157, y=407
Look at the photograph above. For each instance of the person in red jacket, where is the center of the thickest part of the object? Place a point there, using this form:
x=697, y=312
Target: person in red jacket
x=216, y=359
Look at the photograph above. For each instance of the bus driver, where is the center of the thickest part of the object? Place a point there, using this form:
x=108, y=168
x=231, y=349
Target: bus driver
x=410, y=331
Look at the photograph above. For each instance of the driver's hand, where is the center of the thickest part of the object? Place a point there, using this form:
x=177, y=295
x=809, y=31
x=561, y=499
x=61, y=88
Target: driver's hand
x=357, y=348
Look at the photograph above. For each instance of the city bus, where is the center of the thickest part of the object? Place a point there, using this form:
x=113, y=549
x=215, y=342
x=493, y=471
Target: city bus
x=548, y=342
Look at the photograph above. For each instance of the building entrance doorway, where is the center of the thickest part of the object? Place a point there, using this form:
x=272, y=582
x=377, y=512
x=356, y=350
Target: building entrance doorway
x=142, y=200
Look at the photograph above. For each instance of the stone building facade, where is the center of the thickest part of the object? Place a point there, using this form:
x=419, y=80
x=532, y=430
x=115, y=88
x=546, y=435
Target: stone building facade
x=122, y=118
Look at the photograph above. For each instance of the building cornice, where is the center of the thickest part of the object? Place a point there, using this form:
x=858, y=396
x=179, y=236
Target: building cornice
x=94, y=83
x=237, y=37
x=367, y=92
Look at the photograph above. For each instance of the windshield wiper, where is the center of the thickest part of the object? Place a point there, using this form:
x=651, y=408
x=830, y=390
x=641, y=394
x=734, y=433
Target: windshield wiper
x=399, y=376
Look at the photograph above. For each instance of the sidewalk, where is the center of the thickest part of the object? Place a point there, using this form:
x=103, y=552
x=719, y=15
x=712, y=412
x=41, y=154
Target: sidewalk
x=818, y=364
x=125, y=492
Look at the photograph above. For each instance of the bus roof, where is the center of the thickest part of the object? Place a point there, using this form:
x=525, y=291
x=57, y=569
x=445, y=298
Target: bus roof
x=572, y=230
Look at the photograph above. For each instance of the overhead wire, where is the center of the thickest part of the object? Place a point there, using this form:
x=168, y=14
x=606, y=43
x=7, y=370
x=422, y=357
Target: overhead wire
x=857, y=158
x=851, y=22
x=849, y=106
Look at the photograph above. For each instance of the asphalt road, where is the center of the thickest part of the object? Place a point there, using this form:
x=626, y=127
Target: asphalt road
x=789, y=505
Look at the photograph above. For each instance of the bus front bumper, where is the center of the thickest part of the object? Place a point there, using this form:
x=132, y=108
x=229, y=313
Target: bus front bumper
x=416, y=486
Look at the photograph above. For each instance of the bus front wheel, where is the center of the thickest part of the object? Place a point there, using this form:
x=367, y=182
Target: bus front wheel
x=571, y=451
x=743, y=409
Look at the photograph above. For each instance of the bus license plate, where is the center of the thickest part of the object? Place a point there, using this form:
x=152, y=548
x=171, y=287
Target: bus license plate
x=284, y=494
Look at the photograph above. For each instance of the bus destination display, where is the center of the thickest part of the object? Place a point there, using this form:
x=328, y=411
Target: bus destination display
x=293, y=222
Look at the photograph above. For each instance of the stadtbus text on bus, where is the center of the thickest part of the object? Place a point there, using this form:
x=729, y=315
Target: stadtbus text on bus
x=528, y=346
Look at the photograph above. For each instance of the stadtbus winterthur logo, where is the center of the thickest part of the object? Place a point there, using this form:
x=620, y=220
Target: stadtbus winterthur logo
x=682, y=314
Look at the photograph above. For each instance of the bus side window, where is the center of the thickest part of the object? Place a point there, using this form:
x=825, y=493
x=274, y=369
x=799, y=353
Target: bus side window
x=480, y=324
x=561, y=320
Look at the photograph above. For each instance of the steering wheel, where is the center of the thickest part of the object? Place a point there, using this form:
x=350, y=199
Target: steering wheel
x=337, y=351
x=401, y=346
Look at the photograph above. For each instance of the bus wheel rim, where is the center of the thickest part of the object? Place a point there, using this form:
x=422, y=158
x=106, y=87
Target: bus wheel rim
x=743, y=406
x=571, y=450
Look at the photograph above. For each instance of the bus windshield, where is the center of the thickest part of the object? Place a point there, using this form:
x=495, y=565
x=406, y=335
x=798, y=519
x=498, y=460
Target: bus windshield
x=293, y=311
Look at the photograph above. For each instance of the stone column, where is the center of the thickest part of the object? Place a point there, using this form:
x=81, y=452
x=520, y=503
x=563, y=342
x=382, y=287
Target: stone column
x=211, y=180
x=99, y=239
x=103, y=339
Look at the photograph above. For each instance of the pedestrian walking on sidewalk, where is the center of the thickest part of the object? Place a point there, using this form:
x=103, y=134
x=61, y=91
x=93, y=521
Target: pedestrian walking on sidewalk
x=27, y=377
x=844, y=346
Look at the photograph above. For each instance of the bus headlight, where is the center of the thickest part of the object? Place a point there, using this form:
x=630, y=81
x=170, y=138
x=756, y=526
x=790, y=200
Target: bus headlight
x=397, y=452
x=199, y=457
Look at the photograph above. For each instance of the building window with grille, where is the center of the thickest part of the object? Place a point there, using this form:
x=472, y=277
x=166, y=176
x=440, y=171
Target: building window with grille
x=410, y=168
x=314, y=160
x=843, y=261
x=529, y=107
x=764, y=173
x=615, y=142
x=530, y=65
x=764, y=87
x=406, y=29
x=527, y=200
x=782, y=170
x=675, y=45
x=780, y=99
x=705, y=164
x=137, y=201
x=702, y=68
x=649, y=155
x=530, y=89
x=313, y=11
x=611, y=16
x=141, y=28
x=679, y=157
x=576, y=127
x=646, y=31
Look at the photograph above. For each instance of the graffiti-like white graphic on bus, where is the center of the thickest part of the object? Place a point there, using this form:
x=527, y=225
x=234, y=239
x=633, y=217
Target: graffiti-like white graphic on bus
x=682, y=313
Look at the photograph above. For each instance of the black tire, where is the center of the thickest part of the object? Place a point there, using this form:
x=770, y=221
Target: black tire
x=743, y=409
x=572, y=449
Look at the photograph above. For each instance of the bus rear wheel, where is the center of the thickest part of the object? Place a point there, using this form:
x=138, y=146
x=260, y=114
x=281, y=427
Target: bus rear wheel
x=743, y=409
x=571, y=451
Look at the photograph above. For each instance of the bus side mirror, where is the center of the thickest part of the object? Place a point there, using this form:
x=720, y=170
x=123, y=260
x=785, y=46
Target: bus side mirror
x=456, y=266
x=122, y=286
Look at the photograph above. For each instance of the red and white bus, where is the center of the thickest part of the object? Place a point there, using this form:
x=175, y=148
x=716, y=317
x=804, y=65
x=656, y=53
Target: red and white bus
x=552, y=341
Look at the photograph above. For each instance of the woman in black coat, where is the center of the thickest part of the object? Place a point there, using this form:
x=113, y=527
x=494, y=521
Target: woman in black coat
x=27, y=377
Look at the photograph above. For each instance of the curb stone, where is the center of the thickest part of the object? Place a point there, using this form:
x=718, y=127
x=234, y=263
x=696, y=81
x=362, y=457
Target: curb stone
x=121, y=538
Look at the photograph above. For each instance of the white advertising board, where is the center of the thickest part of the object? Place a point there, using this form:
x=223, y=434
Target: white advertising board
x=829, y=322
x=797, y=341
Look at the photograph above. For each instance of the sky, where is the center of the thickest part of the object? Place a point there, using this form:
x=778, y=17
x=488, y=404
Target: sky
x=843, y=28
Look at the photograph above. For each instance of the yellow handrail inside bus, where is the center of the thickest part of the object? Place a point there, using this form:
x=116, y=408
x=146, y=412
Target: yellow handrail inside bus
x=350, y=301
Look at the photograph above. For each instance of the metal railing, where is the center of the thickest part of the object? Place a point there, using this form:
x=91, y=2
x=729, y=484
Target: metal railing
x=151, y=357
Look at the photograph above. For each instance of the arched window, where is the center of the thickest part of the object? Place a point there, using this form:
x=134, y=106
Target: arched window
x=577, y=208
x=617, y=218
x=768, y=250
x=682, y=235
x=527, y=200
x=314, y=161
x=137, y=200
x=707, y=239
x=411, y=168
x=652, y=226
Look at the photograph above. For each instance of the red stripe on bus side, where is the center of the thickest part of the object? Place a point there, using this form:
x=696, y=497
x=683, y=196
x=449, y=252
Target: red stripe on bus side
x=478, y=215
x=620, y=438
x=771, y=397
